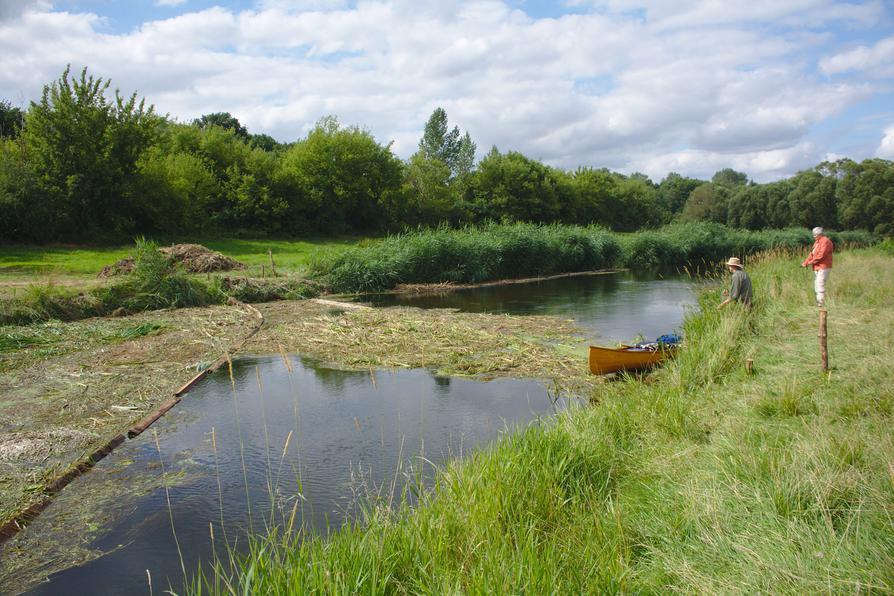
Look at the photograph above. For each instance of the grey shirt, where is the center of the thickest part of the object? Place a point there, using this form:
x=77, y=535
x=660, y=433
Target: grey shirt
x=741, y=288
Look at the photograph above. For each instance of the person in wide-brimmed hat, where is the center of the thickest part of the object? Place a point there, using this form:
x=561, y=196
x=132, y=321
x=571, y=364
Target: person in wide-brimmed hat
x=740, y=290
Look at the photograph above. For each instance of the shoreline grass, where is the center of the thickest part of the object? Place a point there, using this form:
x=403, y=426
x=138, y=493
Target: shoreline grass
x=704, y=479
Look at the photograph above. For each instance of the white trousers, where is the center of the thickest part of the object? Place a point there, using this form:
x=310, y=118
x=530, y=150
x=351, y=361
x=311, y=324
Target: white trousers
x=819, y=284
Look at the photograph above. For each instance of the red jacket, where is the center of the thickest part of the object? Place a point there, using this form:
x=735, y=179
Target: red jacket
x=820, y=255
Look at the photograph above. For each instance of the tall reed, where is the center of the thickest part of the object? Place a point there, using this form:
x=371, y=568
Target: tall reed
x=504, y=251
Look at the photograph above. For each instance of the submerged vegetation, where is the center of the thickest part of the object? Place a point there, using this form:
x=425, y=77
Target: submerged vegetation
x=504, y=251
x=706, y=479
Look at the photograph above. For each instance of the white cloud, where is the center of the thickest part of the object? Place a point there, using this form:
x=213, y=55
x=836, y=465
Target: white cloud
x=886, y=147
x=691, y=14
x=607, y=88
x=170, y=2
x=10, y=9
x=877, y=60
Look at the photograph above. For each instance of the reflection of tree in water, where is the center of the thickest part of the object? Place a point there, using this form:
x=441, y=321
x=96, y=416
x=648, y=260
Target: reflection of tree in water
x=335, y=379
x=524, y=298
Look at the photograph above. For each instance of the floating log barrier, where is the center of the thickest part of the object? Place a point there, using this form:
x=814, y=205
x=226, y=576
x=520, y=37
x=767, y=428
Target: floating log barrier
x=25, y=516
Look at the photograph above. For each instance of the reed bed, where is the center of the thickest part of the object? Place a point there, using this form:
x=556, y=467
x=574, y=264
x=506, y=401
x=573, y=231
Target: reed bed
x=506, y=251
x=704, y=479
x=470, y=255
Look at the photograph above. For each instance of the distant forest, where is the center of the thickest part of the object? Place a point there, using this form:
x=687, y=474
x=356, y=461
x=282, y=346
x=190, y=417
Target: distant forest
x=84, y=165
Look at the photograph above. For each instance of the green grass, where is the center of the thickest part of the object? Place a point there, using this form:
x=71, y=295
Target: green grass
x=288, y=255
x=702, y=480
x=66, y=260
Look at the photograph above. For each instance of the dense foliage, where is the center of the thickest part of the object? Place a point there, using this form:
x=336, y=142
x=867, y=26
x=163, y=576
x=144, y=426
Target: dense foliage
x=504, y=251
x=79, y=166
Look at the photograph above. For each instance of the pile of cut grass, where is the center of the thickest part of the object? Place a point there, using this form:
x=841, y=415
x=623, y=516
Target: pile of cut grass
x=704, y=480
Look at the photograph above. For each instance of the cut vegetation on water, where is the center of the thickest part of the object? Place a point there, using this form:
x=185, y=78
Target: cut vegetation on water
x=235, y=364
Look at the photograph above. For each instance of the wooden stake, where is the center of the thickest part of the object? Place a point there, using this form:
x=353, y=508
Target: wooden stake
x=263, y=271
x=749, y=366
x=272, y=265
x=824, y=350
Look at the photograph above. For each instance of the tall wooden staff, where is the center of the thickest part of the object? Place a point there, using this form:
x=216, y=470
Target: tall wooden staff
x=824, y=350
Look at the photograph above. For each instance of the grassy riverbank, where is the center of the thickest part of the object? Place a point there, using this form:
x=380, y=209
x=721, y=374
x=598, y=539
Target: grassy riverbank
x=702, y=480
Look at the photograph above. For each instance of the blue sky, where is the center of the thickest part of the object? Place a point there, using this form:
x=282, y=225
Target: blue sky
x=767, y=87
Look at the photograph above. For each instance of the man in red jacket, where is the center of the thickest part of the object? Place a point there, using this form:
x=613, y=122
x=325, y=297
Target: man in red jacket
x=821, y=258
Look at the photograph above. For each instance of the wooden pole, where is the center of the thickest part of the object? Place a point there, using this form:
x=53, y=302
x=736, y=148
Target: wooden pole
x=824, y=350
x=749, y=366
x=272, y=265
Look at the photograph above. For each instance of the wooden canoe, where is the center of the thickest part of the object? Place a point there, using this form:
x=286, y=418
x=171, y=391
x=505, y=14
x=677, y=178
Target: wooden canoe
x=609, y=360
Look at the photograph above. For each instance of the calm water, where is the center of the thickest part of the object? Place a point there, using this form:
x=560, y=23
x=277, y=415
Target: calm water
x=617, y=306
x=352, y=433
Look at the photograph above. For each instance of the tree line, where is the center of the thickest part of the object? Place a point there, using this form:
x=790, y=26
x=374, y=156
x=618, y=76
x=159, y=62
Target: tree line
x=81, y=164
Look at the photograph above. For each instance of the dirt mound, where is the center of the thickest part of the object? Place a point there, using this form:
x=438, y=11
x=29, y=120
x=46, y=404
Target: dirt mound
x=194, y=258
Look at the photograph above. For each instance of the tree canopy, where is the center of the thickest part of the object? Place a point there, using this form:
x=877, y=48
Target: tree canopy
x=84, y=164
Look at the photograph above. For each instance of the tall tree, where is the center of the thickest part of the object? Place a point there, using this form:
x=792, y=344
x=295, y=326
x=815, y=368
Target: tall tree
x=340, y=178
x=224, y=120
x=437, y=141
x=85, y=150
x=729, y=178
x=675, y=189
x=866, y=195
x=11, y=120
x=708, y=202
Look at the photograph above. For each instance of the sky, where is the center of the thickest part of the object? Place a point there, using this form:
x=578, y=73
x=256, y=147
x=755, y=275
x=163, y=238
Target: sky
x=767, y=87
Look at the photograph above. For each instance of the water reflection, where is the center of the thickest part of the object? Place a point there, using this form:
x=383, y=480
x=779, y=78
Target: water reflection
x=616, y=306
x=239, y=460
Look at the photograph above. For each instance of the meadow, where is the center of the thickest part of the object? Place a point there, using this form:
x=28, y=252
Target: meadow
x=699, y=478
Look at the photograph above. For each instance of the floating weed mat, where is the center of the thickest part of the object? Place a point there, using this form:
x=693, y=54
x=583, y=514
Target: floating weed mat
x=65, y=535
x=140, y=330
x=450, y=342
x=94, y=378
x=20, y=346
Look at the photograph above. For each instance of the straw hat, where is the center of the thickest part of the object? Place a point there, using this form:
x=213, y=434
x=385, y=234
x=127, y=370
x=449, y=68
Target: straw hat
x=735, y=262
